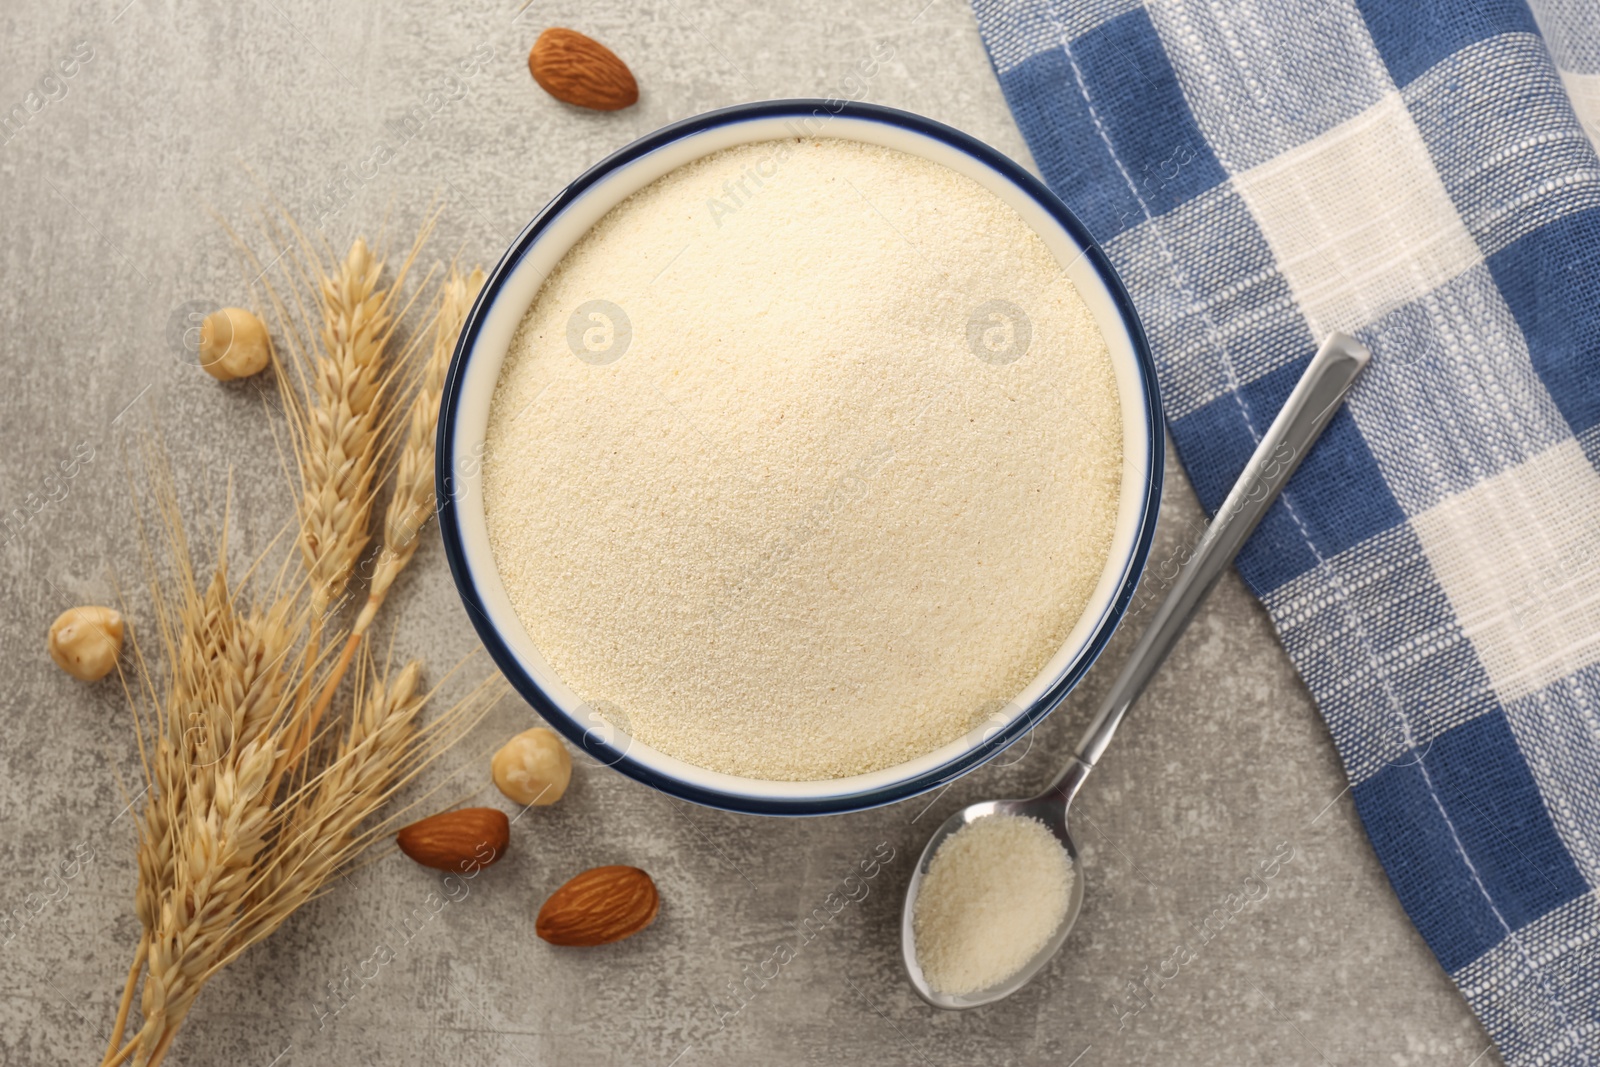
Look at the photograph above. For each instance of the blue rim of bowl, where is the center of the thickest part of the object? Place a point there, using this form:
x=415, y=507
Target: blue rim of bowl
x=617, y=758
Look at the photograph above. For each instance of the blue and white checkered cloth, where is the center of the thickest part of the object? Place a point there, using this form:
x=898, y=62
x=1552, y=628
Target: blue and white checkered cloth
x=1421, y=174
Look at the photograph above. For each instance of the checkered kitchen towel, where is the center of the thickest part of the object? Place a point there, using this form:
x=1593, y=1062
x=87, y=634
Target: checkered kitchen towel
x=1421, y=174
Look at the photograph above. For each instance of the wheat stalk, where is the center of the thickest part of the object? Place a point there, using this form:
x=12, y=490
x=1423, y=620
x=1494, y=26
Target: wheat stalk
x=248, y=814
x=212, y=750
x=411, y=502
x=339, y=458
x=383, y=749
x=338, y=387
x=223, y=858
x=340, y=401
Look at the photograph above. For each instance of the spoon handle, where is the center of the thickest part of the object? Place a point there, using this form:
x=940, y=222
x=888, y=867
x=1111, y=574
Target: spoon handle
x=1307, y=411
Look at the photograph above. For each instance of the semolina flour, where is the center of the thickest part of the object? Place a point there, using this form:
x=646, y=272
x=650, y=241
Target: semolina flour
x=804, y=461
x=995, y=892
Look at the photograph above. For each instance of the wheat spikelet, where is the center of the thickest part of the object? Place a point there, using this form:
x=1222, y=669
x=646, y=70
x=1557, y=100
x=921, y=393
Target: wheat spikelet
x=252, y=807
x=339, y=399
x=210, y=799
x=339, y=388
x=218, y=845
x=320, y=825
x=320, y=830
x=225, y=853
x=341, y=409
x=339, y=456
x=411, y=503
x=411, y=499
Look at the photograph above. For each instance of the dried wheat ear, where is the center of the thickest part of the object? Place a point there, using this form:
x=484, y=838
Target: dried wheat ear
x=257, y=797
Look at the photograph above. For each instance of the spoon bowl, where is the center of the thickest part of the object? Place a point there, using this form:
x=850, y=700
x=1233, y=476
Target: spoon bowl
x=1050, y=808
x=1299, y=423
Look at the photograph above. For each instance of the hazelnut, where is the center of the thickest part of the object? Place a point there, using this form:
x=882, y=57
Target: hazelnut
x=86, y=641
x=233, y=344
x=533, y=767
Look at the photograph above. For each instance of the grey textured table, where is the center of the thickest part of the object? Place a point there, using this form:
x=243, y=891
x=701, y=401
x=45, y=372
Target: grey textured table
x=108, y=190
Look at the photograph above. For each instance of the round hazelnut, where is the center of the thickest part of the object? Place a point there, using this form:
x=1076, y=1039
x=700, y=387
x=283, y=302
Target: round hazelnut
x=533, y=767
x=233, y=344
x=86, y=641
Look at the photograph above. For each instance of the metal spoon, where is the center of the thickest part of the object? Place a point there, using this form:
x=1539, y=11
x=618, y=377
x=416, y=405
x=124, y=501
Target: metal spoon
x=1312, y=403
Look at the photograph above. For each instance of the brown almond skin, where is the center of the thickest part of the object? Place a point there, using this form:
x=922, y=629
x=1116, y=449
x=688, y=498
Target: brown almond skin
x=581, y=71
x=459, y=841
x=601, y=905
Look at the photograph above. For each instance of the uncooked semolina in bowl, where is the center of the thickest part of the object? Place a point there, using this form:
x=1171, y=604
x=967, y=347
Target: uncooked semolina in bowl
x=797, y=460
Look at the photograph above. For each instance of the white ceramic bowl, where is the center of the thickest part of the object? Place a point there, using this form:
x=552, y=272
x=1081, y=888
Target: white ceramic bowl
x=509, y=292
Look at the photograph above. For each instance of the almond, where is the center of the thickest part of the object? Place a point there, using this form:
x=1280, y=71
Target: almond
x=461, y=840
x=599, y=906
x=580, y=70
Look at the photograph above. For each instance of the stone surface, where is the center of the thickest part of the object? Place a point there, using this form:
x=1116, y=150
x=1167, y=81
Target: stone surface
x=197, y=111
